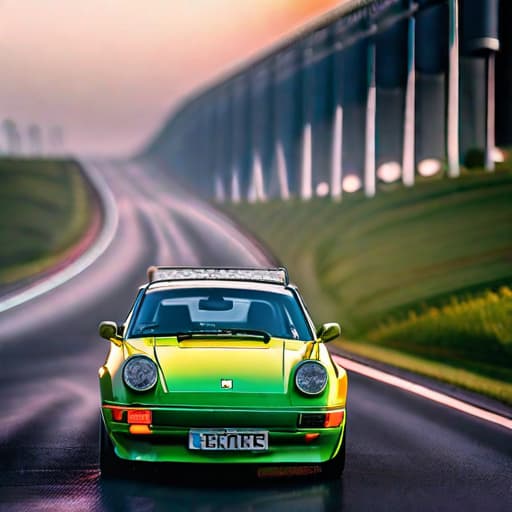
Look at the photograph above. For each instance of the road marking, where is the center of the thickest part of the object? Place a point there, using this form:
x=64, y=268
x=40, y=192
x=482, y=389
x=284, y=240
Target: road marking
x=111, y=220
x=423, y=391
x=192, y=208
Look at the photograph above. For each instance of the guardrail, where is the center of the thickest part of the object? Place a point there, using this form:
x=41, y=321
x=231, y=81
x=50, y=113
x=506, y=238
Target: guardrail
x=375, y=91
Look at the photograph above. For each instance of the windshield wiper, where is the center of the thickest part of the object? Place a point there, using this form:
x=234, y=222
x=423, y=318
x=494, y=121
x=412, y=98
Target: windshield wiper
x=142, y=329
x=253, y=332
x=250, y=333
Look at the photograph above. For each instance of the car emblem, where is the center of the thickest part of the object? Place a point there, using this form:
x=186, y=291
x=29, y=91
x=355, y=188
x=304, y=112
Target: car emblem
x=226, y=384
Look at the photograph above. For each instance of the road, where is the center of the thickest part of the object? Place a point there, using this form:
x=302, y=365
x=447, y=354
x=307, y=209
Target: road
x=403, y=451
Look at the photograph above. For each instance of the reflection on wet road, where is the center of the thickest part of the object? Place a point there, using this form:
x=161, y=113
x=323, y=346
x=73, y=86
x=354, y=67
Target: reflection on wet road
x=403, y=452
x=87, y=491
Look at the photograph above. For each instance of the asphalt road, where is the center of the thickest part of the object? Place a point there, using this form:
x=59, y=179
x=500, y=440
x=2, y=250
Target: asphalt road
x=403, y=452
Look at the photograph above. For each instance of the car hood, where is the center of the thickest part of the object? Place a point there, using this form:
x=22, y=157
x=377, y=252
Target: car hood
x=227, y=365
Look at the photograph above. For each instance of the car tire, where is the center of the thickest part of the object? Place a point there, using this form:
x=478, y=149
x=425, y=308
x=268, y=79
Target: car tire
x=110, y=464
x=333, y=469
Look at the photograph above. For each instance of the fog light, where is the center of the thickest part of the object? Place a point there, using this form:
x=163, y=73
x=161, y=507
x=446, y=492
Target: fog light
x=139, y=429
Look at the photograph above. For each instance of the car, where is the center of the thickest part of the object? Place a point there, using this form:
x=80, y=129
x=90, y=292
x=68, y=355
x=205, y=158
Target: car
x=221, y=366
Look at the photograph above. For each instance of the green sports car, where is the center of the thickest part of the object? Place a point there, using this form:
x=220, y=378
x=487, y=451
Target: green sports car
x=221, y=365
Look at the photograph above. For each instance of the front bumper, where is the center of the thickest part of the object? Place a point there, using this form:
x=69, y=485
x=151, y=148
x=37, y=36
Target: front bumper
x=167, y=436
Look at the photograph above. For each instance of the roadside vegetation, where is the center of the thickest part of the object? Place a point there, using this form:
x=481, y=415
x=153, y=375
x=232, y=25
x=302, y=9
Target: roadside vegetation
x=45, y=208
x=420, y=278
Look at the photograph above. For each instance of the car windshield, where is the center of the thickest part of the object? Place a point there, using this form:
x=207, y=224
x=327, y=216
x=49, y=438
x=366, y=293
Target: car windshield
x=213, y=310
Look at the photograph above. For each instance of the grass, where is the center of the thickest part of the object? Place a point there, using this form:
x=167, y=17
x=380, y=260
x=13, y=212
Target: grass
x=477, y=328
x=423, y=272
x=497, y=387
x=45, y=208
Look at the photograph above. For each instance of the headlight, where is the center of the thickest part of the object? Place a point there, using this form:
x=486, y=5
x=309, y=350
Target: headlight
x=311, y=378
x=140, y=373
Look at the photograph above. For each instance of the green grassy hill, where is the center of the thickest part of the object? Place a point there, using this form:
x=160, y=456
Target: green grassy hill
x=421, y=273
x=45, y=207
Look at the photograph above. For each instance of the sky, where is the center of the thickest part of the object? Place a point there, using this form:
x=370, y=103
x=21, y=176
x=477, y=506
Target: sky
x=110, y=71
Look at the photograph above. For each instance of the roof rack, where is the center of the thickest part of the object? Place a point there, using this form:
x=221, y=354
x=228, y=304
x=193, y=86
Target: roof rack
x=263, y=275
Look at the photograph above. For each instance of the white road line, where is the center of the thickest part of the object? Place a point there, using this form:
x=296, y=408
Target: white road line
x=106, y=236
x=423, y=391
x=173, y=247
x=180, y=203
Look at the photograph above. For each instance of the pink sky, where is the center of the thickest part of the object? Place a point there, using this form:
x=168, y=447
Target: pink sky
x=109, y=71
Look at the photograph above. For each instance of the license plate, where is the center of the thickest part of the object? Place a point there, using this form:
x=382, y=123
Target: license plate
x=228, y=440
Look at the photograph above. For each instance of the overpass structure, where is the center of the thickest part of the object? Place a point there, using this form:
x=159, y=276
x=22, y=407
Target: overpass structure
x=373, y=92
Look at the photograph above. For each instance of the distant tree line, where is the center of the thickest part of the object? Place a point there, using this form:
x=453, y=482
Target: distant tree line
x=32, y=140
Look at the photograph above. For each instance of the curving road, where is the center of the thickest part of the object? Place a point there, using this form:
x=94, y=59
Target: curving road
x=403, y=453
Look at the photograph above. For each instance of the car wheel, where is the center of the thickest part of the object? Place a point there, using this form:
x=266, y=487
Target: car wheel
x=110, y=464
x=333, y=469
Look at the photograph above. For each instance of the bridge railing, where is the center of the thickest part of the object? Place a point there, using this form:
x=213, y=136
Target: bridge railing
x=374, y=92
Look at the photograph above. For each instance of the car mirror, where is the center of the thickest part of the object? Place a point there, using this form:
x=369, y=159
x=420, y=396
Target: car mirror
x=215, y=304
x=108, y=330
x=328, y=332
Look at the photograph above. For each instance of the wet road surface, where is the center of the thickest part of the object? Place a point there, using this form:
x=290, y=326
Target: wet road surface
x=403, y=452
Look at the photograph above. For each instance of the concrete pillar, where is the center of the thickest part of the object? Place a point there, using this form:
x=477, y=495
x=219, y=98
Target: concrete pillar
x=208, y=159
x=320, y=108
x=472, y=105
x=262, y=132
x=408, y=149
x=336, y=188
x=504, y=77
x=391, y=80
x=306, y=188
x=490, y=138
x=288, y=121
x=371, y=107
x=336, y=177
x=452, y=120
x=354, y=101
x=241, y=159
x=222, y=138
x=431, y=65
x=479, y=41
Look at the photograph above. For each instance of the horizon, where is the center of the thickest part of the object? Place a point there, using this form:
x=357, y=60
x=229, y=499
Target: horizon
x=128, y=78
